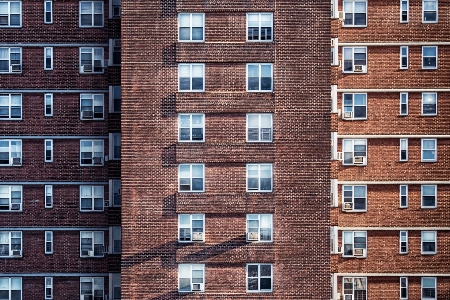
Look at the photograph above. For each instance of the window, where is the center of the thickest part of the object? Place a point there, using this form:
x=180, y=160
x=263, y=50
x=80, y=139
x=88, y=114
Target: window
x=355, y=106
x=429, y=243
x=354, y=197
x=404, y=57
x=403, y=196
x=11, y=198
x=403, y=104
x=115, y=46
x=91, y=198
x=355, y=152
x=355, y=288
x=191, y=127
x=48, y=287
x=48, y=17
x=355, y=59
x=116, y=238
x=91, y=243
x=191, y=178
x=10, y=13
x=355, y=13
x=115, y=146
x=191, y=228
x=11, y=288
x=191, y=27
x=10, y=59
x=404, y=11
x=429, y=196
x=259, y=177
x=403, y=288
x=91, y=13
x=48, y=58
x=115, y=10
x=259, y=77
x=259, y=228
x=403, y=149
x=191, y=277
x=10, y=107
x=334, y=52
x=259, y=278
x=91, y=60
x=429, y=104
x=191, y=77
x=355, y=243
x=48, y=151
x=91, y=152
x=429, y=57
x=48, y=196
x=115, y=99
x=10, y=152
x=259, y=128
x=10, y=244
x=403, y=242
x=428, y=288
x=48, y=105
x=48, y=242
x=115, y=192
x=260, y=27
x=429, y=11
x=91, y=288
x=429, y=150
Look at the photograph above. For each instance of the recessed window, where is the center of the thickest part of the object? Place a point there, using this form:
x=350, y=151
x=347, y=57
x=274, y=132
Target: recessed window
x=191, y=127
x=10, y=106
x=259, y=128
x=91, y=13
x=115, y=99
x=48, y=196
x=429, y=242
x=191, y=27
x=404, y=11
x=91, y=60
x=355, y=106
x=429, y=196
x=404, y=57
x=48, y=58
x=48, y=105
x=429, y=11
x=91, y=152
x=10, y=59
x=91, y=243
x=355, y=152
x=355, y=13
x=355, y=243
x=403, y=196
x=403, y=288
x=91, y=198
x=115, y=48
x=191, y=228
x=191, y=277
x=355, y=60
x=259, y=77
x=91, y=286
x=403, y=242
x=11, y=286
x=48, y=242
x=116, y=238
x=259, y=177
x=428, y=288
x=191, y=77
x=355, y=288
x=259, y=228
x=403, y=104
x=11, y=198
x=429, y=57
x=48, y=153
x=48, y=287
x=259, y=278
x=429, y=150
x=115, y=10
x=191, y=178
x=48, y=12
x=354, y=198
x=403, y=149
x=10, y=244
x=115, y=192
x=115, y=144
x=10, y=13
x=260, y=27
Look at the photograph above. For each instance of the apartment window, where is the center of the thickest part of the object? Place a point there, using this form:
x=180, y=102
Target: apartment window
x=191, y=277
x=91, y=60
x=191, y=127
x=115, y=48
x=10, y=152
x=48, y=151
x=403, y=288
x=259, y=128
x=48, y=196
x=355, y=13
x=191, y=27
x=48, y=58
x=91, y=198
x=429, y=242
x=48, y=242
x=115, y=99
x=91, y=13
x=10, y=107
x=191, y=77
x=355, y=152
x=355, y=243
x=429, y=57
x=10, y=13
x=191, y=228
x=429, y=104
x=355, y=288
x=404, y=57
x=48, y=287
x=11, y=288
x=429, y=196
x=48, y=105
x=259, y=278
x=404, y=11
x=403, y=242
x=260, y=27
x=429, y=11
x=115, y=192
x=115, y=8
x=10, y=244
x=48, y=10
x=428, y=288
x=355, y=59
x=10, y=59
x=354, y=197
x=403, y=104
x=334, y=52
x=429, y=150
x=91, y=288
x=355, y=106
x=91, y=243
x=115, y=146
x=91, y=152
x=259, y=77
x=259, y=177
x=403, y=149
x=191, y=178
x=116, y=238
x=403, y=196
x=259, y=228
x=11, y=198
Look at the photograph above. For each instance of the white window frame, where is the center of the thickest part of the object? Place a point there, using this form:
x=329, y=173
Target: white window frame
x=350, y=155
x=92, y=13
x=115, y=95
x=10, y=247
x=48, y=105
x=12, y=12
x=404, y=288
x=351, y=21
x=255, y=172
x=94, y=193
x=96, y=151
x=403, y=104
x=11, y=102
x=48, y=150
x=115, y=46
x=403, y=196
x=258, y=277
x=193, y=270
x=425, y=11
x=96, y=60
x=348, y=198
x=115, y=192
x=95, y=107
x=403, y=242
x=404, y=11
x=428, y=191
x=349, y=58
x=432, y=151
x=357, y=284
x=48, y=12
x=349, y=241
x=48, y=283
x=263, y=128
x=192, y=69
x=334, y=51
x=48, y=57
x=190, y=225
x=95, y=247
x=115, y=143
x=115, y=237
x=182, y=181
x=427, y=60
x=351, y=101
x=14, y=64
x=115, y=10
x=429, y=100
x=261, y=88
x=191, y=122
x=97, y=287
x=430, y=239
x=48, y=200
x=334, y=9
x=262, y=26
x=14, y=149
x=259, y=228
x=423, y=287
x=191, y=24
x=13, y=283
x=48, y=244
x=404, y=56
x=11, y=194
x=403, y=155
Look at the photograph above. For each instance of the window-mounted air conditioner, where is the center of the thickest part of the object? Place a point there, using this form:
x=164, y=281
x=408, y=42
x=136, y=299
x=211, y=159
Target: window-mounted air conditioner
x=341, y=16
x=339, y=156
x=97, y=160
x=197, y=286
x=348, y=115
x=107, y=203
x=16, y=68
x=252, y=236
x=87, y=68
x=105, y=249
x=358, y=252
x=197, y=236
x=15, y=206
x=84, y=252
x=359, y=160
x=87, y=114
x=358, y=68
x=16, y=161
x=348, y=206
x=16, y=253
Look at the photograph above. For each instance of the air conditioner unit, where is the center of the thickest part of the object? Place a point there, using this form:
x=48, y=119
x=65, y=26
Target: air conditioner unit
x=341, y=16
x=16, y=161
x=359, y=160
x=16, y=253
x=15, y=206
x=197, y=236
x=348, y=206
x=105, y=249
x=87, y=68
x=358, y=68
x=348, y=115
x=107, y=203
x=197, y=286
x=91, y=253
x=340, y=156
x=337, y=296
x=16, y=68
x=87, y=114
x=252, y=236
x=97, y=160
x=84, y=252
x=358, y=252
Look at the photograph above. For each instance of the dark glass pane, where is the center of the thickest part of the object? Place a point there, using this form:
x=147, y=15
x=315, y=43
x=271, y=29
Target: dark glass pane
x=252, y=284
x=348, y=19
x=184, y=34
x=252, y=183
x=360, y=19
x=117, y=57
x=197, y=184
x=360, y=111
x=15, y=20
x=197, y=83
x=3, y=20
x=404, y=62
x=197, y=33
x=429, y=61
x=253, y=83
x=429, y=16
x=359, y=203
x=428, y=201
x=253, y=33
x=266, y=83
x=185, y=84
x=4, y=66
x=266, y=184
x=197, y=134
x=185, y=134
x=266, y=33
x=348, y=65
x=265, y=283
x=185, y=284
x=98, y=20
x=4, y=112
x=252, y=270
x=86, y=20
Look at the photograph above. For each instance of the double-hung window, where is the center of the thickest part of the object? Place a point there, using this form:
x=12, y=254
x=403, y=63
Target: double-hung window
x=10, y=152
x=403, y=196
x=355, y=106
x=115, y=98
x=115, y=52
x=10, y=59
x=116, y=239
x=48, y=12
x=404, y=11
x=48, y=242
x=429, y=196
x=115, y=146
x=91, y=60
x=429, y=150
x=48, y=281
x=429, y=57
x=48, y=154
x=11, y=288
x=10, y=13
x=191, y=277
x=11, y=198
x=355, y=152
x=355, y=59
x=259, y=228
x=354, y=198
x=259, y=128
x=191, y=127
x=91, y=13
x=191, y=178
x=404, y=57
x=403, y=242
x=191, y=228
x=260, y=27
x=115, y=192
x=428, y=288
x=92, y=288
x=259, y=278
x=355, y=13
x=355, y=288
x=403, y=288
x=191, y=27
x=48, y=196
x=91, y=243
x=91, y=152
x=115, y=10
x=48, y=105
x=10, y=243
x=259, y=177
x=429, y=11
x=403, y=149
x=403, y=104
x=10, y=106
x=429, y=242
x=191, y=77
x=91, y=198
x=259, y=77
x=48, y=58
x=355, y=243
x=429, y=104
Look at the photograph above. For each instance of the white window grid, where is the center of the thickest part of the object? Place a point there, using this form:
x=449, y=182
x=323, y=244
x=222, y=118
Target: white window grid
x=403, y=242
x=259, y=128
x=355, y=243
x=48, y=12
x=429, y=242
x=91, y=198
x=48, y=153
x=91, y=243
x=10, y=106
x=259, y=77
x=115, y=146
x=429, y=150
x=48, y=57
x=260, y=27
x=92, y=107
x=91, y=13
x=429, y=288
x=48, y=105
x=115, y=98
x=354, y=106
x=259, y=178
x=355, y=60
x=259, y=228
x=48, y=242
x=403, y=104
x=429, y=104
x=91, y=153
x=191, y=27
x=354, y=198
x=10, y=244
x=403, y=196
x=191, y=178
x=191, y=127
x=259, y=277
x=355, y=288
x=10, y=152
x=404, y=11
x=48, y=281
x=91, y=60
x=354, y=149
x=11, y=14
x=48, y=196
x=11, y=198
x=404, y=57
x=403, y=149
x=10, y=59
x=355, y=13
x=11, y=286
x=429, y=57
x=429, y=196
x=191, y=228
x=191, y=277
x=191, y=77
x=91, y=286
x=429, y=11
x=403, y=288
